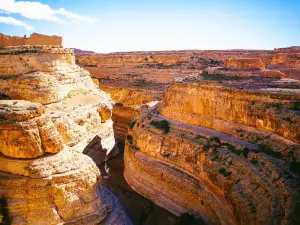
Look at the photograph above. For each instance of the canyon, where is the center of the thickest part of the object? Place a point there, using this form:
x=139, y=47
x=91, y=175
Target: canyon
x=165, y=138
x=214, y=134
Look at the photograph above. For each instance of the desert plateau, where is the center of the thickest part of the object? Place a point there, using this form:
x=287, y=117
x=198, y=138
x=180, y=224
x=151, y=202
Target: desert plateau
x=133, y=120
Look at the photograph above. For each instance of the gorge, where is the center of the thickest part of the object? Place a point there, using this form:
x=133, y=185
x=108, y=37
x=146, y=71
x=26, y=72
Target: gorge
x=148, y=138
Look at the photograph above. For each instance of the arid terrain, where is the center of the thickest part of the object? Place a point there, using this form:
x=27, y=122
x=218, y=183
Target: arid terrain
x=148, y=138
x=209, y=133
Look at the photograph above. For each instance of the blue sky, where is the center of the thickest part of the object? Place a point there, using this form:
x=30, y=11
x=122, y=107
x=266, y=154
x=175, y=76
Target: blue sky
x=135, y=25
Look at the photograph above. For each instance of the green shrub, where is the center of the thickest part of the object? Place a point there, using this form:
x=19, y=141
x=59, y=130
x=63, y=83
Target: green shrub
x=224, y=172
x=268, y=151
x=188, y=219
x=162, y=125
x=245, y=152
x=129, y=139
x=254, y=162
x=295, y=167
x=135, y=148
x=131, y=124
x=214, y=139
x=252, y=207
x=231, y=148
x=119, y=104
x=4, y=219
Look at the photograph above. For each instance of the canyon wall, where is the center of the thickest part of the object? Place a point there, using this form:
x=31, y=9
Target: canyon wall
x=265, y=108
x=50, y=110
x=188, y=171
x=245, y=63
x=220, y=150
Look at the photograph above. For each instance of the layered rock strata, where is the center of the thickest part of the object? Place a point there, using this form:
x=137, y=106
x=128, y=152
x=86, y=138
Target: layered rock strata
x=245, y=63
x=54, y=111
x=224, y=153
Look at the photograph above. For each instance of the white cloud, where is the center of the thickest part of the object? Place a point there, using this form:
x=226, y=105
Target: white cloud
x=75, y=17
x=39, y=11
x=13, y=21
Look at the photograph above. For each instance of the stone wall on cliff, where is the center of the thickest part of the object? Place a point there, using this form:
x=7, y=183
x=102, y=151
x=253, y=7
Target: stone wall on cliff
x=34, y=39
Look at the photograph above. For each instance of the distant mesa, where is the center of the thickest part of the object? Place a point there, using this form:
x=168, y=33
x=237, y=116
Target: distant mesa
x=35, y=39
x=79, y=51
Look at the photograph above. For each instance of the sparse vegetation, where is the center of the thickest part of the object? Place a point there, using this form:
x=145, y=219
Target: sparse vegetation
x=224, y=172
x=188, y=219
x=135, y=148
x=268, y=151
x=295, y=167
x=119, y=104
x=252, y=207
x=131, y=124
x=245, y=152
x=214, y=139
x=129, y=139
x=4, y=218
x=166, y=155
x=231, y=148
x=254, y=162
x=198, y=136
x=162, y=125
x=296, y=105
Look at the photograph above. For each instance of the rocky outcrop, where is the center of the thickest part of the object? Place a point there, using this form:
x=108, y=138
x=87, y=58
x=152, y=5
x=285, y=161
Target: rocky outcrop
x=122, y=116
x=128, y=96
x=54, y=112
x=287, y=59
x=25, y=130
x=245, y=64
x=129, y=59
x=245, y=73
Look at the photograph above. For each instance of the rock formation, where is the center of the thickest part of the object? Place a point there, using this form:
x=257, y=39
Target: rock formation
x=245, y=64
x=34, y=39
x=51, y=112
x=224, y=151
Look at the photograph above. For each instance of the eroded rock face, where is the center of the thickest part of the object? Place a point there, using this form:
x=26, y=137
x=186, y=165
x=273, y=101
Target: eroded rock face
x=55, y=112
x=270, y=109
x=223, y=179
x=122, y=116
x=25, y=131
x=288, y=59
x=245, y=63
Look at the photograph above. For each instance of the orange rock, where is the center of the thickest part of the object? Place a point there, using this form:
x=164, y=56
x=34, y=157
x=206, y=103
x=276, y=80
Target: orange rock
x=34, y=39
x=272, y=74
x=245, y=63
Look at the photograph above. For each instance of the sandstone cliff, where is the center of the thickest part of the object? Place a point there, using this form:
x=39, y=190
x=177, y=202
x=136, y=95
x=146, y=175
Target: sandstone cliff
x=226, y=153
x=51, y=112
x=245, y=63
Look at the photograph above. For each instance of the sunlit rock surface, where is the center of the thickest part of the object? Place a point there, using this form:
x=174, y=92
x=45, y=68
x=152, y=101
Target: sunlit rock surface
x=51, y=112
x=225, y=152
